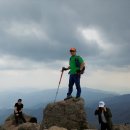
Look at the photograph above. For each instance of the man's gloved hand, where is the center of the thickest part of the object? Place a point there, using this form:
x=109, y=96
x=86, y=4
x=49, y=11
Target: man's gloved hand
x=78, y=71
x=64, y=69
x=17, y=114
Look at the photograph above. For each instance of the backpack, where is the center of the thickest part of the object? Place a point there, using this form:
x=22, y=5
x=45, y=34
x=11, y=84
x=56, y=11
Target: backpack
x=77, y=63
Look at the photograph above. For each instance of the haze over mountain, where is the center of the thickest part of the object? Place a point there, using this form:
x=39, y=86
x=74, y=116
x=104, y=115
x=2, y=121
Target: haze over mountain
x=33, y=98
x=34, y=102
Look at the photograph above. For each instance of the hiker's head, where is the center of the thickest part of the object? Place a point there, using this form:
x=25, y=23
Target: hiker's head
x=73, y=51
x=101, y=104
x=19, y=101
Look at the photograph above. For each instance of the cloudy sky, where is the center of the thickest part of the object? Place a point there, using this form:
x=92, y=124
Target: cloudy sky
x=36, y=35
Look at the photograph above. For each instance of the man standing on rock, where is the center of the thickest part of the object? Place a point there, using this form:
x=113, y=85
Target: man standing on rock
x=104, y=116
x=77, y=67
x=18, y=111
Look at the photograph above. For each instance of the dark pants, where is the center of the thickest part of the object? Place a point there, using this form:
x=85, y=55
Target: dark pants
x=105, y=126
x=74, y=79
x=19, y=116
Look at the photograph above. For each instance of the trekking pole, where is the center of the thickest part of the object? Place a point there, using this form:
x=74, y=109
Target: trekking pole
x=58, y=86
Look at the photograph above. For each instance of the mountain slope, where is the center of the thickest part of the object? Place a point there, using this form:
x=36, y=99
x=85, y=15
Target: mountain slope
x=36, y=101
x=120, y=106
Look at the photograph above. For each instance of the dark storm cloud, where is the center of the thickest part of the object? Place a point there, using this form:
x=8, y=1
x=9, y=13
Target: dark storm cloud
x=60, y=20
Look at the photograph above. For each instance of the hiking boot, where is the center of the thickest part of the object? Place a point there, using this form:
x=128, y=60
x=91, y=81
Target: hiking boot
x=68, y=97
x=77, y=97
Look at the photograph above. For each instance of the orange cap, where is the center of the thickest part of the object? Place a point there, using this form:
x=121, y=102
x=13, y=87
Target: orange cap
x=72, y=49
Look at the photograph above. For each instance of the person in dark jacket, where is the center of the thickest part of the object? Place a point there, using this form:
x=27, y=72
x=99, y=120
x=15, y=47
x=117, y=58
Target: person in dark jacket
x=18, y=107
x=104, y=116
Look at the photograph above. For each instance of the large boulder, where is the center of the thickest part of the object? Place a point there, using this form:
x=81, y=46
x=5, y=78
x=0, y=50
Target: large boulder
x=69, y=114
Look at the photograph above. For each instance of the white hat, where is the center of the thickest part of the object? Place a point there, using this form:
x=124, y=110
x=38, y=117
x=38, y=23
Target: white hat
x=101, y=104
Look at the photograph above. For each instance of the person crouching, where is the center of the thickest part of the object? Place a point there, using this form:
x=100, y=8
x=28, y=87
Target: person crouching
x=18, y=107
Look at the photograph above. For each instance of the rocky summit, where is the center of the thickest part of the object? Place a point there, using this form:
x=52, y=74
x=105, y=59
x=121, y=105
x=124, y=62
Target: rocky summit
x=69, y=114
x=10, y=124
x=62, y=115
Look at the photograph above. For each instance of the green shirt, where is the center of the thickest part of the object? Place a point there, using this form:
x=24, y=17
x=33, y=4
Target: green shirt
x=73, y=67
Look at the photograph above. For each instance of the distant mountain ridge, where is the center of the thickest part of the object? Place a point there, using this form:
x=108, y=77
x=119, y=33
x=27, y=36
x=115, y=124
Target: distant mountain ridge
x=32, y=99
x=34, y=103
x=120, y=106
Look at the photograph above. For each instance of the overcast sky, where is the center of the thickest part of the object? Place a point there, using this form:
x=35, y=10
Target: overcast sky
x=36, y=35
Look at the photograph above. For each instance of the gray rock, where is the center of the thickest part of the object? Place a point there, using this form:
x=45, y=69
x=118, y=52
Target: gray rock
x=1, y=128
x=29, y=126
x=68, y=114
x=56, y=128
x=122, y=127
x=9, y=124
